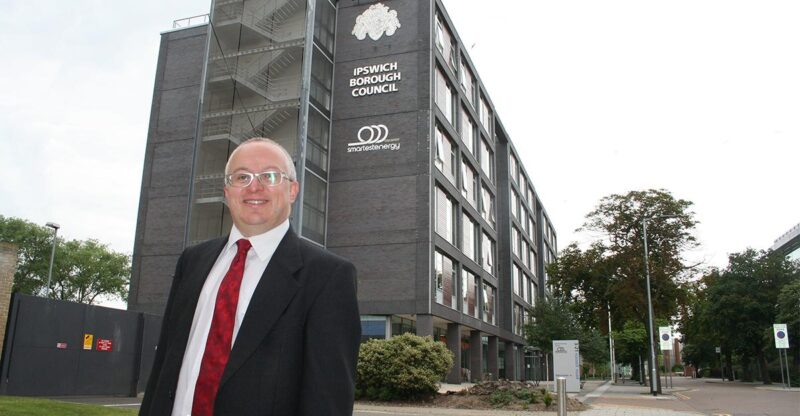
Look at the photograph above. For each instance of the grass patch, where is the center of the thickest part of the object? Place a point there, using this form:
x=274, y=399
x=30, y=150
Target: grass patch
x=26, y=406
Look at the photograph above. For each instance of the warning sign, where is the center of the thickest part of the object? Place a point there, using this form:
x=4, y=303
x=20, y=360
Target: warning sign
x=104, y=344
x=87, y=341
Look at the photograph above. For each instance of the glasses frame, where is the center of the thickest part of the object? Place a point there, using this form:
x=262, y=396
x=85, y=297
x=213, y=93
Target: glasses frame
x=259, y=176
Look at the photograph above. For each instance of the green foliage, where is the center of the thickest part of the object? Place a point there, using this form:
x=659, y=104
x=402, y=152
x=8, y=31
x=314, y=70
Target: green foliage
x=403, y=367
x=548, y=398
x=501, y=397
x=83, y=271
x=736, y=307
x=610, y=273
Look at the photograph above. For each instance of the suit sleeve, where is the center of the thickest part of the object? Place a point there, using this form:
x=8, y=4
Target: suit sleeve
x=163, y=343
x=332, y=339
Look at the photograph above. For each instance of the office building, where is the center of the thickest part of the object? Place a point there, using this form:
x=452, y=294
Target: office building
x=405, y=167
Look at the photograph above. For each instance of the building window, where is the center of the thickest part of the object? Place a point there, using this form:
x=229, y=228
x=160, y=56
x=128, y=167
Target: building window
x=526, y=282
x=487, y=250
x=469, y=183
x=445, y=155
x=444, y=42
x=486, y=115
x=489, y=294
x=515, y=241
x=519, y=319
x=469, y=240
x=321, y=80
x=514, y=203
x=445, y=280
x=444, y=95
x=532, y=231
x=467, y=81
x=317, y=145
x=487, y=205
x=533, y=261
x=445, y=216
x=487, y=160
x=314, y=203
x=512, y=167
x=515, y=279
x=469, y=293
x=324, y=25
x=523, y=252
x=467, y=131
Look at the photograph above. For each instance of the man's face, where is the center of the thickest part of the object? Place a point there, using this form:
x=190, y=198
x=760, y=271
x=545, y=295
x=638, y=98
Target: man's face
x=258, y=208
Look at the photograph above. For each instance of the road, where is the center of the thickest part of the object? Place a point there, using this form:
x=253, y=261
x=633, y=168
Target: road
x=709, y=397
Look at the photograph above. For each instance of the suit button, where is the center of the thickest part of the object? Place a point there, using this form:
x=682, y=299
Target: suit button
x=171, y=394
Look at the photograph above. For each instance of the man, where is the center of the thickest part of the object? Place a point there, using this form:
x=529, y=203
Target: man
x=259, y=322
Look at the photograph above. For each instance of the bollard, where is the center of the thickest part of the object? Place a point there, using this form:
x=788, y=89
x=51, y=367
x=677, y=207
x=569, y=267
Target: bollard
x=561, y=391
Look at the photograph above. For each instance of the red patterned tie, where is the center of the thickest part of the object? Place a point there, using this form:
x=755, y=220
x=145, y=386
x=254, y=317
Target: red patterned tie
x=218, y=345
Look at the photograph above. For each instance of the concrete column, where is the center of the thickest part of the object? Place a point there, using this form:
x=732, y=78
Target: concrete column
x=521, y=362
x=8, y=266
x=511, y=361
x=475, y=356
x=454, y=345
x=425, y=325
x=493, y=353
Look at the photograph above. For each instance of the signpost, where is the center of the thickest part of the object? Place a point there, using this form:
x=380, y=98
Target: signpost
x=665, y=340
x=567, y=363
x=782, y=344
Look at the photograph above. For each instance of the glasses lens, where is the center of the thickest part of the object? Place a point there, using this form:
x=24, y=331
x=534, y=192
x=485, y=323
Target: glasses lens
x=241, y=179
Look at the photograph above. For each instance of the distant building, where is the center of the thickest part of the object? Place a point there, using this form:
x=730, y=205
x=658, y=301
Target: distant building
x=789, y=243
x=405, y=167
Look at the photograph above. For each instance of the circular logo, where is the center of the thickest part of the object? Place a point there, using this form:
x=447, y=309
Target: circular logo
x=780, y=335
x=665, y=337
x=373, y=134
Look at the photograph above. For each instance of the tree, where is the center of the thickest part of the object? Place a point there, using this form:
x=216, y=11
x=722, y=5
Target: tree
x=742, y=303
x=789, y=314
x=83, y=271
x=611, y=272
x=554, y=319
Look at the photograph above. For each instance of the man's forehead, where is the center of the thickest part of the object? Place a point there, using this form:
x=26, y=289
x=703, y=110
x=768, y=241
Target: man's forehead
x=244, y=152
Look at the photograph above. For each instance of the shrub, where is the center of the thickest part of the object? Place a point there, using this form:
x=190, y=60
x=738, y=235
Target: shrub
x=403, y=367
x=501, y=397
x=548, y=399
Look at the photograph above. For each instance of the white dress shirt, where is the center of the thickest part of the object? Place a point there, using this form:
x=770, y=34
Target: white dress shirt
x=263, y=247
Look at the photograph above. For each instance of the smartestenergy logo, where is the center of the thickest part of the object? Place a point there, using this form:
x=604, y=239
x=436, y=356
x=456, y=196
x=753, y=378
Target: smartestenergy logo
x=373, y=137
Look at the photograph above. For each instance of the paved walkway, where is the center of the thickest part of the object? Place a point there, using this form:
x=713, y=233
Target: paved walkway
x=646, y=404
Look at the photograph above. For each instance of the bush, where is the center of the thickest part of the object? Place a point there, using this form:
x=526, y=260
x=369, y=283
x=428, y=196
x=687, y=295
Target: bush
x=548, y=398
x=404, y=367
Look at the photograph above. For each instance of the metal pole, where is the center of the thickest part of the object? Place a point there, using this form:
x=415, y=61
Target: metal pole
x=786, y=359
x=653, y=374
x=611, y=346
x=55, y=228
x=780, y=360
x=561, y=392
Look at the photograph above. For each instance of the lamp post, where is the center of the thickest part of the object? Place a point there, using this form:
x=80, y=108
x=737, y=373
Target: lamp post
x=653, y=374
x=55, y=228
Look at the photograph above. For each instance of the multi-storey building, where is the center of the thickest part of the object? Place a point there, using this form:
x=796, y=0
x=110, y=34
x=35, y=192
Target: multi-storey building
x=404, y=165
x=788, y=244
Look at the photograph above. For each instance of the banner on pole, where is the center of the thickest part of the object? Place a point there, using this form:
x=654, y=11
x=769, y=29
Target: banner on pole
x=665, y=337
x=781, y=335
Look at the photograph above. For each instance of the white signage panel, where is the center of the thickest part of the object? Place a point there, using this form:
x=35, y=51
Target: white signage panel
x=665, y=337
x=781, y=335
x=567, y=363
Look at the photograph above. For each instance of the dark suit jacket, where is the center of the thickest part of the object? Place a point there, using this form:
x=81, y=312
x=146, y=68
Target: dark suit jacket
x=296, y=350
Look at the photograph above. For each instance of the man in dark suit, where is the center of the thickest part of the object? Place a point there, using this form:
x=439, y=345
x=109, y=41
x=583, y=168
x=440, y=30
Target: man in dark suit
x=260, y=322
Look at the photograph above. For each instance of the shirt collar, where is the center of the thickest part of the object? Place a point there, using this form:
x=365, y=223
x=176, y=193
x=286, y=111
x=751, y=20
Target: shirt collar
x=263, y=244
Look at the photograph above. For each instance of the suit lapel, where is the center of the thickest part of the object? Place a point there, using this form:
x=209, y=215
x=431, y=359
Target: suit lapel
x=193, y=279
x=272, y=295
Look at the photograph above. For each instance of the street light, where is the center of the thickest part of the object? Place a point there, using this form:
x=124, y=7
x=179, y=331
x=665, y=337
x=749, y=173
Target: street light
x=55, y=228
x=653, y=376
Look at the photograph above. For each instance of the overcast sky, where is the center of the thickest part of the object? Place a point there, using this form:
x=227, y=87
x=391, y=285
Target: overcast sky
x=701, y=98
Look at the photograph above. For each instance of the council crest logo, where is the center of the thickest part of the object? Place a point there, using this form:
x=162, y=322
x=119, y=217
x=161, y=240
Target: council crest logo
x=376, y=21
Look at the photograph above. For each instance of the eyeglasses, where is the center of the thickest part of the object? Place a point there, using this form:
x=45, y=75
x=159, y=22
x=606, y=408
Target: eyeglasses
x=244, y=179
